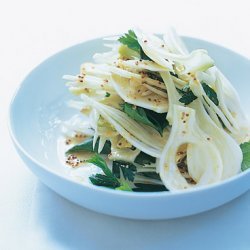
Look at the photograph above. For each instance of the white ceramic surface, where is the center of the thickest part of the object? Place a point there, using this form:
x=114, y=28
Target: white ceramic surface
x=40, y=104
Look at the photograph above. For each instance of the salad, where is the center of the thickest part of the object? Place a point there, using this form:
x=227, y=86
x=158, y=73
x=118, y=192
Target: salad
x=154, y=116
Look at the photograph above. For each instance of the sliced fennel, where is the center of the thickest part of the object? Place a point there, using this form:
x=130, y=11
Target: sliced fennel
x=197, y=60
x=122, y=154
x=173, y=98
x=231, y=154
x=132, y=131
x=203, y=158
x=141, y=65
x=163, y=117
x=130, y=94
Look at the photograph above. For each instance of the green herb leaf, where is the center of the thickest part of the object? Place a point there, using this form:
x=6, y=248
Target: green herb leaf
x=138, y=114
x=144, y=159
x=104, y=180
x=101, y=163
x=245, y=147
x=147, y=117
x=152, y=175
x=187, y=95
x=130, y=39
x=107, y=94
x=210, y=93
x=128, y=170
x=87, y=146
x=141, y=187
x=158, y=119
x=107, y=179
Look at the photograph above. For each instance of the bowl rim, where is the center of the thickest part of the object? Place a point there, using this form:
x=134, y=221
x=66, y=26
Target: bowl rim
x=66, y=178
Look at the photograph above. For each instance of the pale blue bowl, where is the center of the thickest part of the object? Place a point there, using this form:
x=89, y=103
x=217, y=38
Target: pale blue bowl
x=41, y=100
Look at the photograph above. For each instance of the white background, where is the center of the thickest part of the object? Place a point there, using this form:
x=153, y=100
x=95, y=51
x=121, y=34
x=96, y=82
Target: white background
x=32, y=216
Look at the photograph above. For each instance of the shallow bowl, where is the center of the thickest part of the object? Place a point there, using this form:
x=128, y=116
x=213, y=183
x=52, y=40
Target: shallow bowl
x=40, y=104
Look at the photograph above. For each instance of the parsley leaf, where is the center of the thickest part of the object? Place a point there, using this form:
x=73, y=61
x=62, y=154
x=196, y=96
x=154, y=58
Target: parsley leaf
x=104, y=180
x=158, y=119
x=245, y=147
x=144, y=159
x=141, y=187
x=210, y=93
x=107, y=94
x=152, y=175
x=87, y=146
x=128, y=170
x=130, y=39
x=108, y=179
x=137, y=113
x=147, y=117
x=111, y=179
x=187, y=95
x=101, y=163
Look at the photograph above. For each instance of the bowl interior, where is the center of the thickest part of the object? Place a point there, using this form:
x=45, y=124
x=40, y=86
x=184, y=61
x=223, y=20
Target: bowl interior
x=41, y=101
